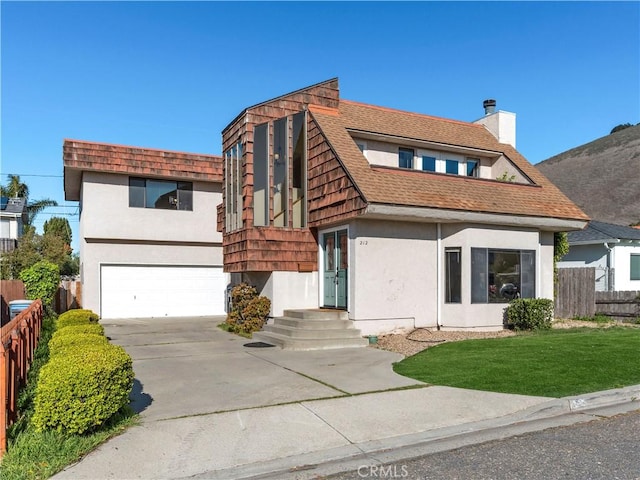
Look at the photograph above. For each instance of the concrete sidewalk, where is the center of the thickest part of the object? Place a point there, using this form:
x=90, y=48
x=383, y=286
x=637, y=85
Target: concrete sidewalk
x=266, y=412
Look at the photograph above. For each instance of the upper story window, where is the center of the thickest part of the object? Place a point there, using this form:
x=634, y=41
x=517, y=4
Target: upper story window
x=233, y=187
x=472, y=167
x=280, y=172
x=405, y=157
x=451, y=166
x=634, y=266
x=161, y=194
x=428, y=163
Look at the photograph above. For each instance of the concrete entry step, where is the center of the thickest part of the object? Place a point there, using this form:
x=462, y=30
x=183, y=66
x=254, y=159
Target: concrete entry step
x=317, y=314
x=317, y=329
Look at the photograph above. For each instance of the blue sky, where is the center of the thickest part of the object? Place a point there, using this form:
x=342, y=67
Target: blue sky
x=172, y=75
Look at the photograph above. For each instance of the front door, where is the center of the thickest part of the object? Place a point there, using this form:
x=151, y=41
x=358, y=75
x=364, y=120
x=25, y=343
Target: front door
x=335, y=269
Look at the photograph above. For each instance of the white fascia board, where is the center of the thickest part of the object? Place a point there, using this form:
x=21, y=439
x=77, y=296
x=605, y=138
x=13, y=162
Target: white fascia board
x=596, y=242
x=424, y=214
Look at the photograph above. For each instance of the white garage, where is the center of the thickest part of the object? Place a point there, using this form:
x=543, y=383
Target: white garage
x=144, y=291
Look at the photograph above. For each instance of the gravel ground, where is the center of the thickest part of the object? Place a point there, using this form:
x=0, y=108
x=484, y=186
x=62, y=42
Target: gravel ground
x=410, y=343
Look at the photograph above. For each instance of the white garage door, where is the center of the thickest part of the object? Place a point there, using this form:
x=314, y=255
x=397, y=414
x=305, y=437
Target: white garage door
x=143, y=291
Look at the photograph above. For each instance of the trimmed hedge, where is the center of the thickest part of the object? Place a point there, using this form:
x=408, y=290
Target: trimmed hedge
x=63, y=344
x=530, y=313
x=77, y=317
x=94, y=328
x=83, y=388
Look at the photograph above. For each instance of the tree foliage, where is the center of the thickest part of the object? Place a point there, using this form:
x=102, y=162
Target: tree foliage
x=33, y=248
x=60, y=227
x=622, y=126
x=41, y=280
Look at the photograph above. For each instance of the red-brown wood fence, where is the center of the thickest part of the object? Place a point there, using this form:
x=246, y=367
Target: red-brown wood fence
x=18, y=341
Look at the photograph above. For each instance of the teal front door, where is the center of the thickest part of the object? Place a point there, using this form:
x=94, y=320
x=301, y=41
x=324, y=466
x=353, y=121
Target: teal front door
x=335, y=268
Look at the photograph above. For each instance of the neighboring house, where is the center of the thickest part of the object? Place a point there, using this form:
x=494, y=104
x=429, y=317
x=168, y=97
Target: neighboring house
x=12, y=220
x=395, y=217
x=148, y=240
x=613, y=250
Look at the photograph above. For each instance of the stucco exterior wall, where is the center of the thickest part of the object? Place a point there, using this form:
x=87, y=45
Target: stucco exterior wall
x=113, y=233
x=106, y=213
x=286, y=290
x=489, y=316
x=393, y=277
x=392, y=280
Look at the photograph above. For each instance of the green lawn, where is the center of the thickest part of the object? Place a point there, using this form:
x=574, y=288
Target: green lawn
x=555, y=363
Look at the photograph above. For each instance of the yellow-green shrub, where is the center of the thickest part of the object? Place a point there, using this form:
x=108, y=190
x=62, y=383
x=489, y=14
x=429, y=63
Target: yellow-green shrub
x=94, y=328
x=76, y=317
x=63, y=344
x=82, y=389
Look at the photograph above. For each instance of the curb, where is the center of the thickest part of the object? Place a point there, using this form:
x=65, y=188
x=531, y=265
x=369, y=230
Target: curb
x=554, y=413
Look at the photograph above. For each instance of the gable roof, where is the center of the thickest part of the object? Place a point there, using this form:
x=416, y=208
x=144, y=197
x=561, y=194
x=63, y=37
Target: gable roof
x=600, y=232
x=80, y=156
x=414, y=188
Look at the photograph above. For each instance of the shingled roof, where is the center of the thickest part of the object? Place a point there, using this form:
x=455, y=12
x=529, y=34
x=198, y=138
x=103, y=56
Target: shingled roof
x=599, y=232
x=79, y=156
x=414, y=188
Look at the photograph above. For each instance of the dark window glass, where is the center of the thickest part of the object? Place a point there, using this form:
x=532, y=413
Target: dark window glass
x=299, y=160
x=428, y=164
x=185, y=196
x=261, y=175
x=499, y=276
x=280, y=165
x=453, y=275
x=405, y=158
x=478, y=275
x=472, y=168
x=136, y=192
x=635, y=267
x=161, y=194
x=452, y=167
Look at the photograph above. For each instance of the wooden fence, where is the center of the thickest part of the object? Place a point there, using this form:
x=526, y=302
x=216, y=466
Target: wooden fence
x=9, y=290
x=575, y=293
x=18, y=341
x=69, y=296
x=619, y=305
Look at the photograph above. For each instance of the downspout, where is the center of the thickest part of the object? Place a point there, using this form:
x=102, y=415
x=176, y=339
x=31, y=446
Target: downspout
x=439, y=288
x=609, y=263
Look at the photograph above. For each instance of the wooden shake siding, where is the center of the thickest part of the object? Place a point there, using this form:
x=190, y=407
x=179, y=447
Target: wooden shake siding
x=332, y=195
x=258, y=249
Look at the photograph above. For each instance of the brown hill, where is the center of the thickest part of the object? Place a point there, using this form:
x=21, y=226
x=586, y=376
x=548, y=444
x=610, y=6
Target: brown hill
x=602, y=177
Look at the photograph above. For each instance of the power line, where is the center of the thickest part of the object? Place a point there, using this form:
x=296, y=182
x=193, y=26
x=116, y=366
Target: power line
x=32, y=175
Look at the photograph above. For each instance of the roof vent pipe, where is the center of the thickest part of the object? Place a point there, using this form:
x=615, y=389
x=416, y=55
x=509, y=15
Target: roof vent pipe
x=489, y=106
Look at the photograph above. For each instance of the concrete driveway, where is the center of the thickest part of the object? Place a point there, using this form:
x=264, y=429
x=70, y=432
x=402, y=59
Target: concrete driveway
x=188, y=366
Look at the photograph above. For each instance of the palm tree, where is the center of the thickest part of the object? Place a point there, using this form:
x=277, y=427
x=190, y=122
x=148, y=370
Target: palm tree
x=16, y=188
